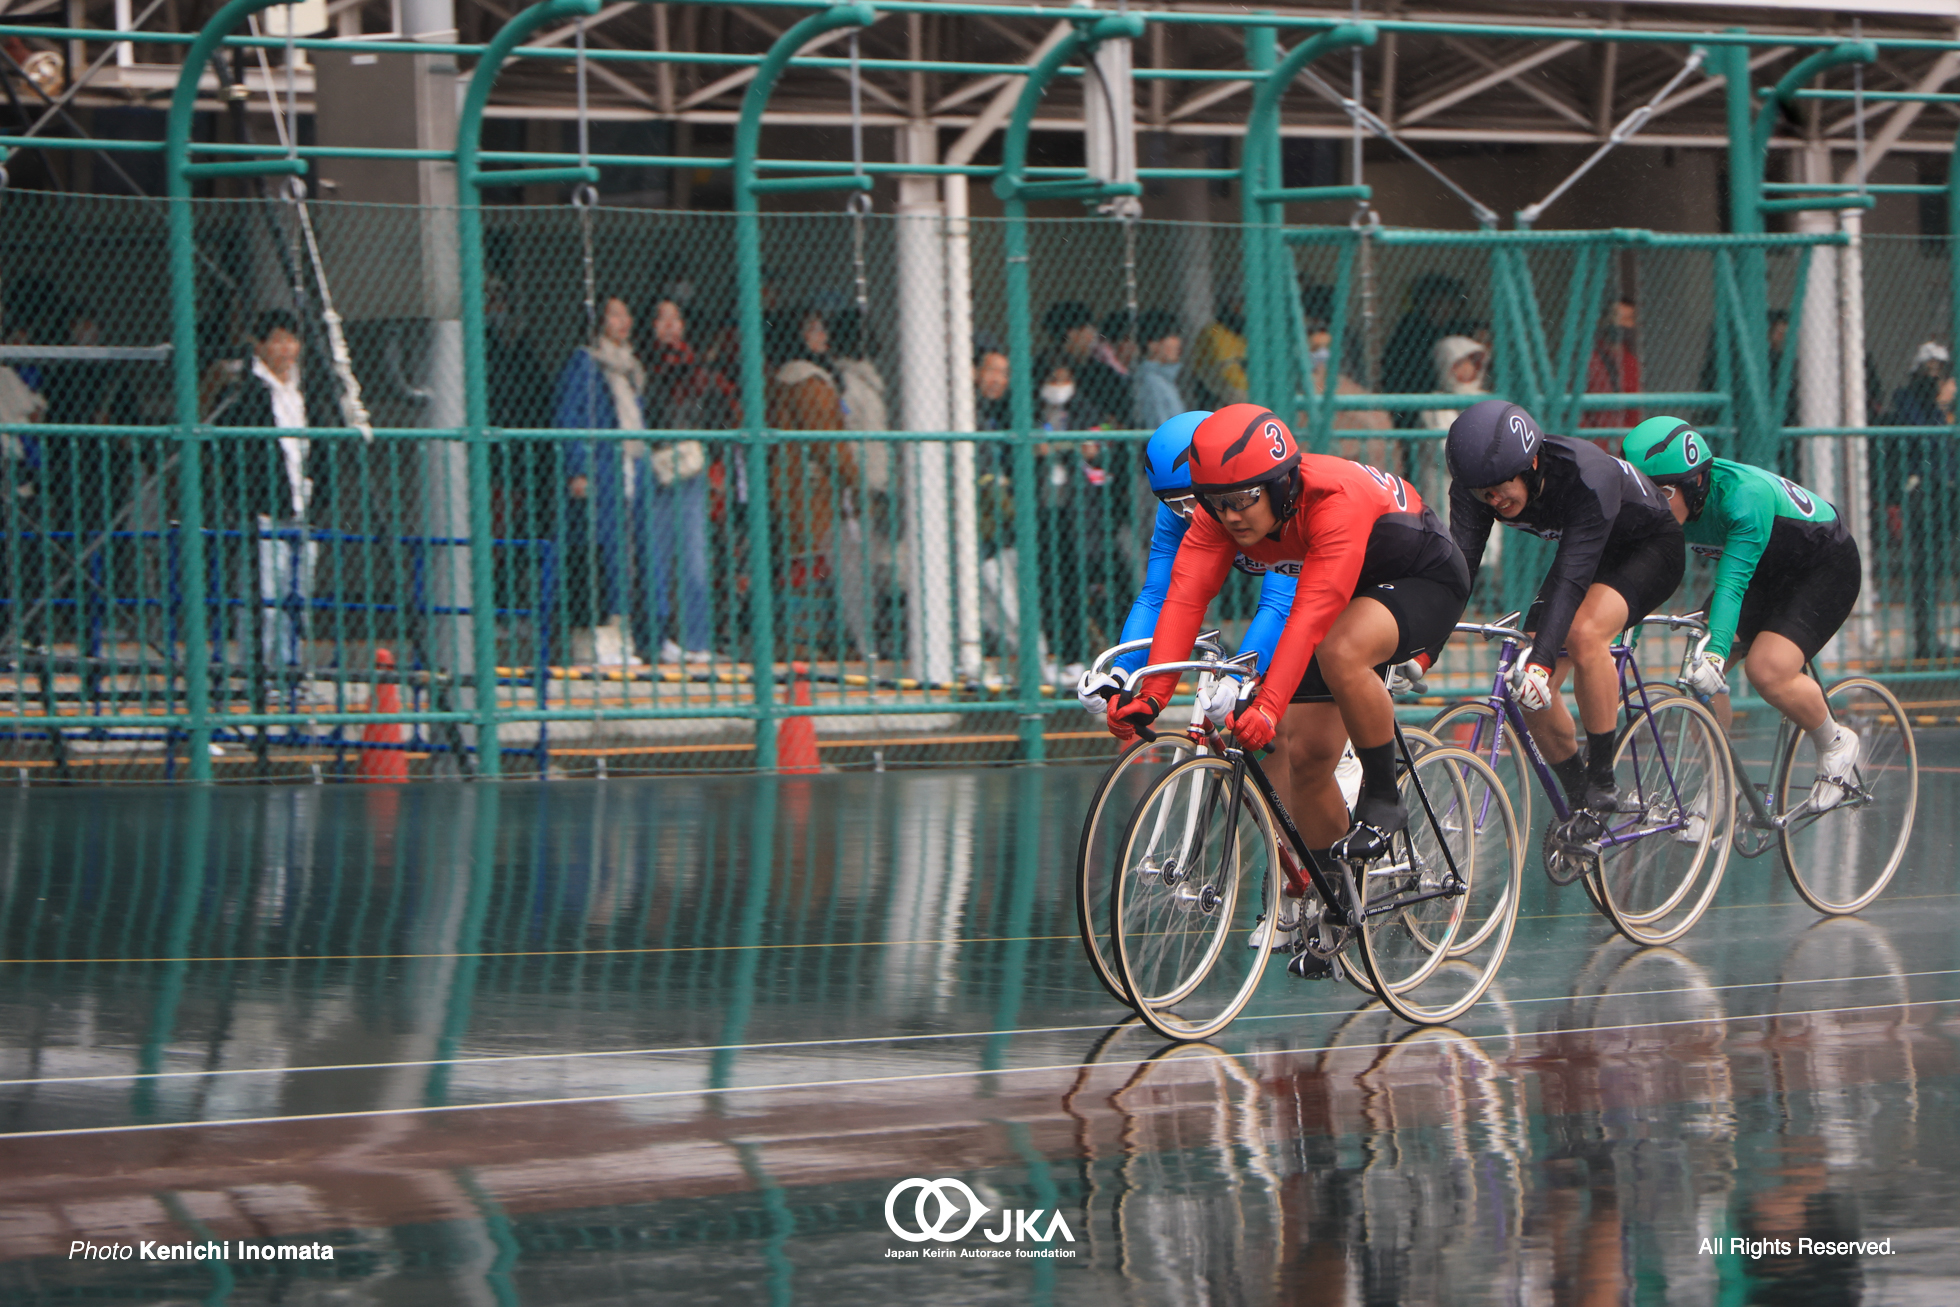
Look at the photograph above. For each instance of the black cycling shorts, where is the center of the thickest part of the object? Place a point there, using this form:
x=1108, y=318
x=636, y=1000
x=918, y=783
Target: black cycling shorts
x=1645, y=573
x=1426, y=612
x=1804, y=600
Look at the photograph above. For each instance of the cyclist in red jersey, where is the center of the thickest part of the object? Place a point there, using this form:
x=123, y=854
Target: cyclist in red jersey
x=1380, y=582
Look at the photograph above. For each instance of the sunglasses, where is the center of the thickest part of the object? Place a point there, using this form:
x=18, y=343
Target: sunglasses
x=1182, y=505
x=1236, y=501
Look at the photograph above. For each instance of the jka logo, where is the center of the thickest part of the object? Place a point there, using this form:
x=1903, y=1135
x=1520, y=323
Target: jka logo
x=946, y=1211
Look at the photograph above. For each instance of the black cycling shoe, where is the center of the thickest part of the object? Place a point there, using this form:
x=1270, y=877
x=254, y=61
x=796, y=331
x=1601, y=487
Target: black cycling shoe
x=1308, y=965
x=1606, y=798
x=1376, y=823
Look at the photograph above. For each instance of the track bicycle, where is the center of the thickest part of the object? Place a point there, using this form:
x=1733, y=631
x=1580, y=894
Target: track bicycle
x=1202, y=897
x=1099, y=848
x=1843, y=852
x=1652, y=868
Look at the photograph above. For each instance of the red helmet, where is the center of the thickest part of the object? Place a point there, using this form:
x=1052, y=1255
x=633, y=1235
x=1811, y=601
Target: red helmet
x=1241, y=446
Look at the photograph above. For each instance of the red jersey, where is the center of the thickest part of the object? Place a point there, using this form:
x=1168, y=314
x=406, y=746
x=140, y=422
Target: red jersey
x=1354, y=526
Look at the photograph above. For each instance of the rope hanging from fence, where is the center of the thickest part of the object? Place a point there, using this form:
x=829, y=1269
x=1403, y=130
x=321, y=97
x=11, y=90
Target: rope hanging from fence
x=859, y=204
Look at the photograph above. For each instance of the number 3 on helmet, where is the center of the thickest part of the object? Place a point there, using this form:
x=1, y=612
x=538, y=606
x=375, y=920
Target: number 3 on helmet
x=1241, y=446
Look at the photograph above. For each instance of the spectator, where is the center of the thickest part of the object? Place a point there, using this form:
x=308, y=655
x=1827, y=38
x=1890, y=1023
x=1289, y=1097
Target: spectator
x=671, y=504
x=1317, y=302
x=1437, y=308
x=1462, y=368
x=1102, y=397
x=601, y=388
x=1919, y=477
x=861, y=545
x=1615, y=369
x=277, y=485
x=1154, y=379
x=1000, y=609
x=811, y=482
x=1215, y=375
x=1080, y=504
x=1117, y=349
x=991, y=409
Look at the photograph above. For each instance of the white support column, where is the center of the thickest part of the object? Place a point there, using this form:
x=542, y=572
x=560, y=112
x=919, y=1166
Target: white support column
x=959, y=371
x=1820, y=394
x=1856, y=503
x=925, y=389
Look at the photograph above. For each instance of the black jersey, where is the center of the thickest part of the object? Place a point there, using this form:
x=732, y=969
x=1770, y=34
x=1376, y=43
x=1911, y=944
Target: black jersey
x=1591, y=503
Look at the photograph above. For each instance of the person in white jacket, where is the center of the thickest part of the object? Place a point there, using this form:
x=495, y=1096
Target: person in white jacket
x=1462, y=368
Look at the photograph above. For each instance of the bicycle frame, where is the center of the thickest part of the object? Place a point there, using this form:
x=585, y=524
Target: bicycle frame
x=1506, y=712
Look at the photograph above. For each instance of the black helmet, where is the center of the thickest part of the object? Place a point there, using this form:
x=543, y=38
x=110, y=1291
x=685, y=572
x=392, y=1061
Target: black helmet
x=1490, y=442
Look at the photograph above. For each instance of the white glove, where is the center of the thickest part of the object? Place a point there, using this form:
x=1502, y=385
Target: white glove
x=1219, y=700
x=1704, y=677
x=1094, y=690
x=1406, y=678
x=1532, y=686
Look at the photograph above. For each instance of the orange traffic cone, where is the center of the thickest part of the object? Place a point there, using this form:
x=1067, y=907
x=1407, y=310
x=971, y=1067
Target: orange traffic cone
x=796, y=737
x=383, y=766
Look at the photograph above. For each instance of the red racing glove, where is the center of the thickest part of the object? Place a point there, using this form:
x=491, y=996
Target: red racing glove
x=1254, y=726
x=1129, y=710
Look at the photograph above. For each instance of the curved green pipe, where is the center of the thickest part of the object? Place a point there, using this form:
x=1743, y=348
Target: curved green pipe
x=1266, y=344
x=1090, y=31
x=476, y=367
x=748, y=278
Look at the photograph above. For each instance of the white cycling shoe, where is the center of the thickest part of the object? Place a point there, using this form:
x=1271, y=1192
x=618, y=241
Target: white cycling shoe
x=1835, y=764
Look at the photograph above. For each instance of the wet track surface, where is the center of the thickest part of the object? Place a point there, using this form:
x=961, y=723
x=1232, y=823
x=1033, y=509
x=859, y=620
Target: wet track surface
x=676, y=1041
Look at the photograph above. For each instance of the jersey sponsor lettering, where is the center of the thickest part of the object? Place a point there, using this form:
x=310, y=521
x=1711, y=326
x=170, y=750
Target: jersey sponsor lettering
x=1707, y=551
x=1291, y=567
x=1250, y=566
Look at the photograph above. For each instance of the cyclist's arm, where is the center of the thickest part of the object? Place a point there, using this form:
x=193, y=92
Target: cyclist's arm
x=1198, y=573
x=1581, y=544
x=1470, y=523
x=1748, y=517
x=1275, y=602
x=1336, y=547
x=1167, y=535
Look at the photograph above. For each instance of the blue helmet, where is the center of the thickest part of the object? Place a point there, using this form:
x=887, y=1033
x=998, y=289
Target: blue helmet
x=1167, y=454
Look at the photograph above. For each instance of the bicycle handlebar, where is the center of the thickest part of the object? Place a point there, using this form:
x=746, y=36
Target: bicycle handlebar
x=1695, y=621
x=1241, y=666
x=1207, y=642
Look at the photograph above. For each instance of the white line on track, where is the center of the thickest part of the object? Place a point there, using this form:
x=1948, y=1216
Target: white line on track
x=684, y=1050
x=920, y=1077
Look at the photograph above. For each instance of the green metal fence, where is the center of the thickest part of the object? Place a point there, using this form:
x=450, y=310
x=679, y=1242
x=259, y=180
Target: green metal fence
x=814, y=544
x=623, y=566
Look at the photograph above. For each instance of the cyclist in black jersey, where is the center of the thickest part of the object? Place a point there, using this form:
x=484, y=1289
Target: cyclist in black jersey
x=1620, y=555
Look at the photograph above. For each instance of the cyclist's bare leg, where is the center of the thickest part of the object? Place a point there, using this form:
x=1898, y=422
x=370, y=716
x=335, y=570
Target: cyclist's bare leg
x=1362, y=637
x=1595, y=681
x=1314, y=742
x=1775, y=667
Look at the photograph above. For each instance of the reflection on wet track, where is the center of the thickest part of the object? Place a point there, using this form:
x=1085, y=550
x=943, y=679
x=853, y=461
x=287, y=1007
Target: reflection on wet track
x=677, y=1040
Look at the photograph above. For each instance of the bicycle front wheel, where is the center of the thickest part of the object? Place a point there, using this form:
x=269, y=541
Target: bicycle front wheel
x=1101, y=846
x=1446, y=892
x=1194, y=905
x=1662, y=858
x=1841, y=858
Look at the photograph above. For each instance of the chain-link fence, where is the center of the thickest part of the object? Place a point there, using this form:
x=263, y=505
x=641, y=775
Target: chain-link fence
x=334, y=615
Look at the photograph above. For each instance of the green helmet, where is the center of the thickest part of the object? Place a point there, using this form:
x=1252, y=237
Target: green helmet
x=1667, y=449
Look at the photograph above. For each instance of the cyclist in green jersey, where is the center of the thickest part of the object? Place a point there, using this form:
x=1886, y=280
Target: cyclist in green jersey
x=1788, y=576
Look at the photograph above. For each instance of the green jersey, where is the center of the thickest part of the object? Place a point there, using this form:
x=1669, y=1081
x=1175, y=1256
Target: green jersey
x=1751, y=514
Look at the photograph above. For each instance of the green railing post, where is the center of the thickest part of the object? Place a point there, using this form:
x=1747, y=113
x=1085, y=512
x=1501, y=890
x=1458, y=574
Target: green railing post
x=1265, y=263
x=183, y=363
x=1091, y=30
x=476, y=368
x=748, y=276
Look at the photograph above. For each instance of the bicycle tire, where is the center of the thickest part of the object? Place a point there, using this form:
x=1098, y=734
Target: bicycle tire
x=1100, y=845
x=1405, y=938
x=1671, y=763
x=1498, y=747
x=1195, y=904
x=1873, y=826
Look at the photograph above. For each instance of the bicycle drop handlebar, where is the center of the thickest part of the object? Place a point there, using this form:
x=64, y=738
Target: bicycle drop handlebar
x=1207, y=642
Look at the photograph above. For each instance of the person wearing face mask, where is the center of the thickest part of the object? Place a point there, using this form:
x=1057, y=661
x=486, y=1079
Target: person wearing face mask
x=1614, y=369
x=1153, y=380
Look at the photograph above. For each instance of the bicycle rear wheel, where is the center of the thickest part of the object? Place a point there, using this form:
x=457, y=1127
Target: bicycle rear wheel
x=1101, y=846
x=1841, y=859
x=1446, y=892
x=1194, y=908
x=1661, y=861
